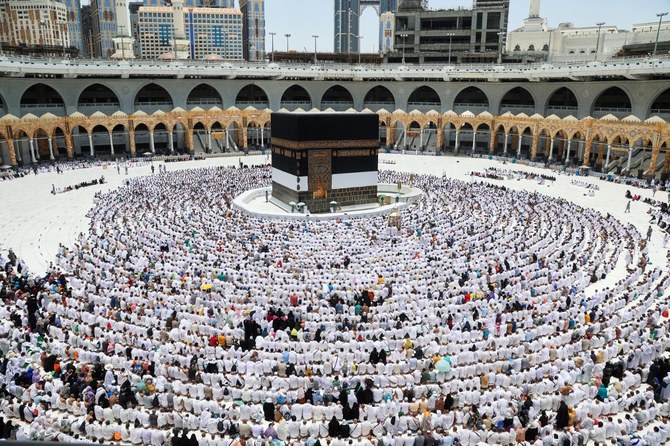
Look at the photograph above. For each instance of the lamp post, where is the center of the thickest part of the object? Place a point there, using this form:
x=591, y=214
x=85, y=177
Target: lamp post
x=660, y=16
x=174, y=41
x=43, y=25
x=600, y=25
x=315, y=37
x=287, y=37
x=451, y=36
x=500, y=46
x=272, y=35
x=62, y=38
x=123, y=47
x=404, y=41
x=359, y=49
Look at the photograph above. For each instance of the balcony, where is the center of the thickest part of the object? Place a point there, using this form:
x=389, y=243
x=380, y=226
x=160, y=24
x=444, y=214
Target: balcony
x=424, y=106
x=294, y=105
x=151, y=107
x=376, y=106
x=620, y=113
x=106, y=108
x=259, y=105
x=40, y=109
x=561, y=111
x=337, y=105
x=474, y=108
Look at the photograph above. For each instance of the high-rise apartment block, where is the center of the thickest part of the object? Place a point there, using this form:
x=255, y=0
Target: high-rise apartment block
x=253, y=29
x=178, y=32
x=347, y=21
x=36, y=26
x=74, y=25
x=87, y=31
x=452, y=35
x=103, y=27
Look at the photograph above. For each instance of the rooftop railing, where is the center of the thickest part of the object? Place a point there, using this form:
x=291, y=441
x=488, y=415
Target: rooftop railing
x=52, y=67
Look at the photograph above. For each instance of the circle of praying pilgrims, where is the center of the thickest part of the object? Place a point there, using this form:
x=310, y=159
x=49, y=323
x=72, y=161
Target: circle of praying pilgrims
x=177, y=320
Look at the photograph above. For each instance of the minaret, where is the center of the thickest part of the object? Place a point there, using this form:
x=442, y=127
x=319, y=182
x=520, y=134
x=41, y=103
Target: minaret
x=534, y=23
x=180, y=42
x=124, y=43
x=178, y=17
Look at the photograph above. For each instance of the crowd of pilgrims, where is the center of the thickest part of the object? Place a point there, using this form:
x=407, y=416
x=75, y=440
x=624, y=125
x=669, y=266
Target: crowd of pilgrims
x=495, y=173
x=177, y=320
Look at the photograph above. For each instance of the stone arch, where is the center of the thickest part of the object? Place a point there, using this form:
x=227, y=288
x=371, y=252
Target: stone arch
x=379, y=97
x=200, y=136
x=218, y=136
x=424, y=98
x=100, y=137
x=562, y=102
x=178, y=132
x=236, y=136
x=59, y=142
x=121, y=138
x=660, y=105
x=613, y=100
x=142, y=138
x=252, y=95
x=41, y=98
x=97, y=97
x=295, y=97
x=481, y=137
x=254, y=130
x=517, y=100
x=544, y=139
x=338, y=98
x=41, y=139
x=449, y=134
x=499, y=140
x=382, y=133
x=152, y=97
x=204, y=96
x=161, y=139
x=398, y=133
x=80, y=142
x=471, y=98
x=22, y=146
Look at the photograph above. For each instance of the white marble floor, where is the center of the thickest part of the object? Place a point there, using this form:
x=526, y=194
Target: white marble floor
x=33, y=221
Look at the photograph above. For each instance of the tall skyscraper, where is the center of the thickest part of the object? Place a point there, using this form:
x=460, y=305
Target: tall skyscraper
x=347, y=21
x=386, y=31
x=133, y=8
x=103, y=27
x=40, y=25
x=450, y=35
x=176, y=32
x=346, y=25
x=253, y=29
x=87, y=31
x=124, y=46
x=74, y=25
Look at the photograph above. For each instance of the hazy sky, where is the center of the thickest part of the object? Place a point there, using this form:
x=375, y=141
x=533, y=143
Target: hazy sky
x=304, y=18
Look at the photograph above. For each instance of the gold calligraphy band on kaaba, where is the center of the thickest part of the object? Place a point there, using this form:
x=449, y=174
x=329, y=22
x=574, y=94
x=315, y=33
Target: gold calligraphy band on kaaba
x=346, y=144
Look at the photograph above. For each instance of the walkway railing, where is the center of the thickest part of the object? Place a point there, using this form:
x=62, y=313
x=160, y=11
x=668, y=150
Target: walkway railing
x=657, y=66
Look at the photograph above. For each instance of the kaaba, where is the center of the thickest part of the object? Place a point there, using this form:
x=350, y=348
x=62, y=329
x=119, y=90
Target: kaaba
x=322, y=157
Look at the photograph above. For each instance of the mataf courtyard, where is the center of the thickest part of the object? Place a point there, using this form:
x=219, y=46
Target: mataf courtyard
x=513, y=304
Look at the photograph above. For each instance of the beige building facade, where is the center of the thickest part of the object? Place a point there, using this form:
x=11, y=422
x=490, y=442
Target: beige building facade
x=33, y=23
x=170, y=32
